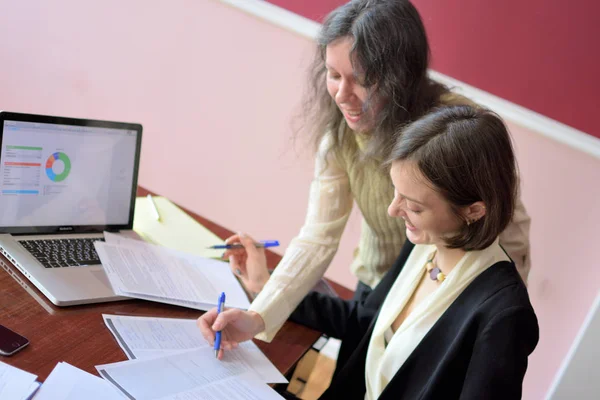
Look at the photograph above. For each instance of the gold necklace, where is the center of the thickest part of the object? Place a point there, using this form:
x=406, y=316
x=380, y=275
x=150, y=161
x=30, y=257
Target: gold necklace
x=435, y=273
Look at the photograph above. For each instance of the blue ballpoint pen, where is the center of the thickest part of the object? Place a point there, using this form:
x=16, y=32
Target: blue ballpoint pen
x=262, y=243
x=220, y=308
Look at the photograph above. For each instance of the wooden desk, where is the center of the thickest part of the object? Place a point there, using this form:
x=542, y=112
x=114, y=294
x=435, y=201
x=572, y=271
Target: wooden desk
x=77, y=334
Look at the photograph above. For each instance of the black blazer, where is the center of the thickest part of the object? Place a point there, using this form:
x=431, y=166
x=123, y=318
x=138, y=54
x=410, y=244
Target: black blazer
x=478, y=348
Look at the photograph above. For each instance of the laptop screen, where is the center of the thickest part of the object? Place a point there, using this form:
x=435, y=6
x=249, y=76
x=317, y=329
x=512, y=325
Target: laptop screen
x=67, y=176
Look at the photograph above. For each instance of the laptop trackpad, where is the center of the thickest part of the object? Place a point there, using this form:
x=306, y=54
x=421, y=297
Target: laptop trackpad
x=101, y=276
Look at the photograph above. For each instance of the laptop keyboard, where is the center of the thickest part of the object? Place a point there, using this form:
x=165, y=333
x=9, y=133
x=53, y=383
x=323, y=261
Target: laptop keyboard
x=57, y=253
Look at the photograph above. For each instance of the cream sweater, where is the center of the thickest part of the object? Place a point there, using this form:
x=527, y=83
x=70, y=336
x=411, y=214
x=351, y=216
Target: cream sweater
x=338, y=182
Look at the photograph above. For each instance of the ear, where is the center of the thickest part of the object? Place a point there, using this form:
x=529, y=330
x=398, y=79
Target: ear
x=474, y=212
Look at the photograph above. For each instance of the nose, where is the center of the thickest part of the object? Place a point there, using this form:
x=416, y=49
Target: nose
x=344, y=92
x=392, y=210
x=396, y=208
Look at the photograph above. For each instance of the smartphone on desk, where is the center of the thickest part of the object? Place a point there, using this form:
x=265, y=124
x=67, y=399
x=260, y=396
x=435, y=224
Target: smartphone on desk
x=11, y=342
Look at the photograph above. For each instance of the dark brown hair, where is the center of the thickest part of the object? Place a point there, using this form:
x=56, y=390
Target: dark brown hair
x=391, y=50
x=467, y=156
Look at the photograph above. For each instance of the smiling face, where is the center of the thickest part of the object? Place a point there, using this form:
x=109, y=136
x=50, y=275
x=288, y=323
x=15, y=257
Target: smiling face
x=343, y=84
x=428, y=216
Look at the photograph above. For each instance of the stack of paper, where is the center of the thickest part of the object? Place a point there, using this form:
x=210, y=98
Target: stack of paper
x=145, y=271
x=175, y=229
x=171, y=360
x=149, y=337
x=188, y=375
x=66, y=382
x=16, y=384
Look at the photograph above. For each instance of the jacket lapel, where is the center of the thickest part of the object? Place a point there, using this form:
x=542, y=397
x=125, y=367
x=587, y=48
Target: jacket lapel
x=437, y=348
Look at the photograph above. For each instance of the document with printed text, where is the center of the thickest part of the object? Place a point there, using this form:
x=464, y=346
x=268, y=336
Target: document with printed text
x=234, y=388
x=148, y=337
x=185, y=375
x=141, y=270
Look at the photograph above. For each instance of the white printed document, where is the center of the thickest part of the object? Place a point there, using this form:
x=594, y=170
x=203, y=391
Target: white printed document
x=67, y=382
x=234, y=388
x=187, y=375
x=16, y=384
x=148, y=337
x=141, y=270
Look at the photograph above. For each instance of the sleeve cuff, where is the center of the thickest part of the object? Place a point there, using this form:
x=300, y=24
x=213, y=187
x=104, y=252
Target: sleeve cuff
x=270, y=314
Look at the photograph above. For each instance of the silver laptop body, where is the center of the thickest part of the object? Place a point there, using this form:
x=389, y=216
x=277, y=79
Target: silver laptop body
x=64, y=180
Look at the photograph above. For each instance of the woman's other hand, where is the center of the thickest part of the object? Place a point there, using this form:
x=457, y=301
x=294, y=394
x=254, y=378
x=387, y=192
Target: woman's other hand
x=249, y=263
x=235, y=325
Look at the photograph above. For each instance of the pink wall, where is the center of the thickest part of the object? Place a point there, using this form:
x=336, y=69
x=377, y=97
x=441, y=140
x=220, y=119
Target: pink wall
x=561, y=193
x=215, y=89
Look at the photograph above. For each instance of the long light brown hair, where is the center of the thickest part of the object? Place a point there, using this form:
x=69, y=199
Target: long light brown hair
x=391, y=50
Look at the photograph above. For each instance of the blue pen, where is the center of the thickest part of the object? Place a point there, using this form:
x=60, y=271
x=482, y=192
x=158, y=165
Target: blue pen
x=220, y=308
x=262, y=243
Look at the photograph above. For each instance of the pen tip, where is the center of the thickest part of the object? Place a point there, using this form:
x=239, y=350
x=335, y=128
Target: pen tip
x=216, y=353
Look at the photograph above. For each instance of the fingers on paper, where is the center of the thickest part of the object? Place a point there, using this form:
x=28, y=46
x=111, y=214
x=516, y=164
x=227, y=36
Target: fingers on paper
x=205, y=323
x=227, y=343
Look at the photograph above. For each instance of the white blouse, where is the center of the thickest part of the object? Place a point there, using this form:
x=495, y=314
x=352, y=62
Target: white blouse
x=385, y=357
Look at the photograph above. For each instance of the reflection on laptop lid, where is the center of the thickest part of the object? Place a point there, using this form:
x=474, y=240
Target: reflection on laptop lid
x=64, y=176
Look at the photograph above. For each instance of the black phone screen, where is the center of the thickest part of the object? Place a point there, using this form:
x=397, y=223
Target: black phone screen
x=11, y=342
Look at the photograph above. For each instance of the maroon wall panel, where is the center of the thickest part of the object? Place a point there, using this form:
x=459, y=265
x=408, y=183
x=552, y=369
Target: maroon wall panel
x=312, y=9
x=541, y=54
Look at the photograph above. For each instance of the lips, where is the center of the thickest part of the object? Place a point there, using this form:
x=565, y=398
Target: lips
x=352, y=116
x=409, y=226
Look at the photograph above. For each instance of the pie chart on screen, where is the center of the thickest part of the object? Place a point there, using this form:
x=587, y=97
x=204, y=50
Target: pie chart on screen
x=58, y=166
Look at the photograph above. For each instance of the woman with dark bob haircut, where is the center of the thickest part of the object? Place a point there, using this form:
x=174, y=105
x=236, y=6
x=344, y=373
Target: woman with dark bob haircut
x=452, y=318
x=369, y=78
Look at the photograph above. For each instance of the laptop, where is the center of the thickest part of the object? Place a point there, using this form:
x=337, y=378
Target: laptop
x=63, y=182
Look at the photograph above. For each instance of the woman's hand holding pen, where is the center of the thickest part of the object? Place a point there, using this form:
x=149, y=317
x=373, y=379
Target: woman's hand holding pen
x=249, y=263
x=235, y=325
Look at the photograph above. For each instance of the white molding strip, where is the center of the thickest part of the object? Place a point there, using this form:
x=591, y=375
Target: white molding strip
x=524, y=117
x=576, y=356
x=513, y=112
x=278, y=16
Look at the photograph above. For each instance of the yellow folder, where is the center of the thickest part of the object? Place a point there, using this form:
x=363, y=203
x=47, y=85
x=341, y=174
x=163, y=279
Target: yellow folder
x=175, y=229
